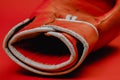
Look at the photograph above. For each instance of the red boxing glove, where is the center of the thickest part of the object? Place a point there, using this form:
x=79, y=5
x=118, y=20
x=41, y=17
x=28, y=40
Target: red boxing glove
x=56, y=39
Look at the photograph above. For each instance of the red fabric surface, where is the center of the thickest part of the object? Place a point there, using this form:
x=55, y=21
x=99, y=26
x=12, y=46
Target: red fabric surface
x=102, y=64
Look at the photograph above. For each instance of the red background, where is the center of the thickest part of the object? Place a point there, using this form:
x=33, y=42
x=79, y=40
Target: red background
x=103, y=64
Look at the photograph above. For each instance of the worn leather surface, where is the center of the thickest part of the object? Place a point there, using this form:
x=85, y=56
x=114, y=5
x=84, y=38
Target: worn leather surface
x=94, y=67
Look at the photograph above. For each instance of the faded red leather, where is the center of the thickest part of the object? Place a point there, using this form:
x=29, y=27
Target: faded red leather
x=107, y=23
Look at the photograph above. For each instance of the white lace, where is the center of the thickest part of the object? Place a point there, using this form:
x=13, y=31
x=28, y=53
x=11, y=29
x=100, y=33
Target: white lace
x=71, y=18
